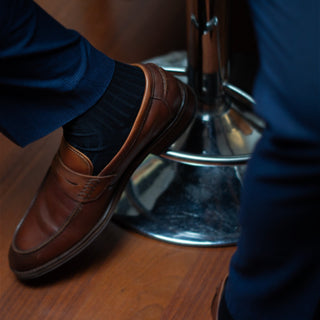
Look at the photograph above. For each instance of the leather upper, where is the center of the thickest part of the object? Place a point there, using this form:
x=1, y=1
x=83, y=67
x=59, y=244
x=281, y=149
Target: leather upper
x=72, y=206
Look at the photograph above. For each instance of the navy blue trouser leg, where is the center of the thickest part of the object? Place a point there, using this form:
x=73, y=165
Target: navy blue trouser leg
x=275, y=272
x=48, y=74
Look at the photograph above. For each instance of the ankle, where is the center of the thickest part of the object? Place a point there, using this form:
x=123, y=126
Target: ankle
x=101, y=131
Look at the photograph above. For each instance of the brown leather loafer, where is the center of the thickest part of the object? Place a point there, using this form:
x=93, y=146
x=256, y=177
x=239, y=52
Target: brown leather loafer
x=72, y=207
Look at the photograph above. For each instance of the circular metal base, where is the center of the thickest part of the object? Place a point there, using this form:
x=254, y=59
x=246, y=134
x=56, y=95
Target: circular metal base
x=183, y=204
x=191, y=194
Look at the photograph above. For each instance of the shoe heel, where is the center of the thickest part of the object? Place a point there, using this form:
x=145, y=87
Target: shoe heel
x=179, y=125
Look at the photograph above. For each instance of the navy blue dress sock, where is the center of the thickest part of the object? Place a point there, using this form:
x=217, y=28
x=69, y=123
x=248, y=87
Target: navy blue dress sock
x=100, y=132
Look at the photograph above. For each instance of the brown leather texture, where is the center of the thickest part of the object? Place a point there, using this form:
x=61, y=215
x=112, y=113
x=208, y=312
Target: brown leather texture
x=72, y=207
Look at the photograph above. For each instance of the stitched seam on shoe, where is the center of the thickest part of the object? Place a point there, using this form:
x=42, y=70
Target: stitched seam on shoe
x=88, y=189
x=50, y=239
x=90, y=186
x=62, y=167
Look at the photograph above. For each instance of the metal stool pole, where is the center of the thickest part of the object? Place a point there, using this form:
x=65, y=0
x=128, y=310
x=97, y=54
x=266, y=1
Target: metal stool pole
x=190, y=195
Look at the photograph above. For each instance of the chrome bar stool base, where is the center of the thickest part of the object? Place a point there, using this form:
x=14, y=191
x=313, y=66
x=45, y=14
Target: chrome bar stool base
x=191, y=194
x=183, y=204
x=188, y=197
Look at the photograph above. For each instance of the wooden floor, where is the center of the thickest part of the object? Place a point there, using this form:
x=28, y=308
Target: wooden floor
x=122, y=275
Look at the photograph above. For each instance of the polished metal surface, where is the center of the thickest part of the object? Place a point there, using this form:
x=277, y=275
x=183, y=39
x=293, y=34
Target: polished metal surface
x=192, y=200
x=183, y=204
x=224, y=138
x=190, y=195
